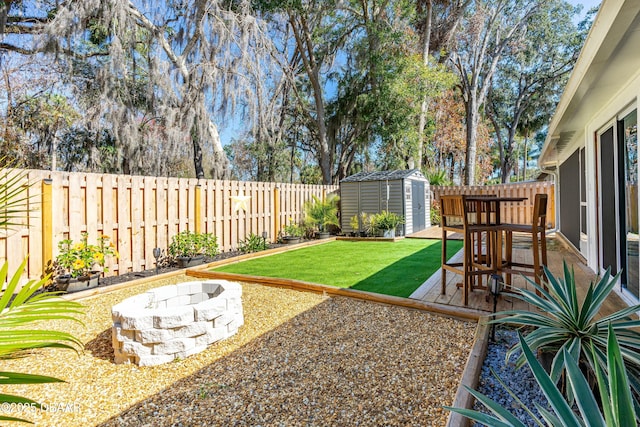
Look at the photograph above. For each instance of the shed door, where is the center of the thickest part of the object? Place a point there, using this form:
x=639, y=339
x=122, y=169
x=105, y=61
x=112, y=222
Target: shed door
x=417, y=205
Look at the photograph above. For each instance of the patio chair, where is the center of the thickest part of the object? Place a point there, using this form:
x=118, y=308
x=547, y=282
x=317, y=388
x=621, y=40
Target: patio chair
x=536, y=230
x=472, y=220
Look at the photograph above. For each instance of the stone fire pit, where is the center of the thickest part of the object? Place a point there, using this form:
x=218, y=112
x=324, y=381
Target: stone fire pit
x=175, y=321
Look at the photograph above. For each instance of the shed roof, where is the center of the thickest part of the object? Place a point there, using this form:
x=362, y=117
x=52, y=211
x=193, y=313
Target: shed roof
x=384, y=175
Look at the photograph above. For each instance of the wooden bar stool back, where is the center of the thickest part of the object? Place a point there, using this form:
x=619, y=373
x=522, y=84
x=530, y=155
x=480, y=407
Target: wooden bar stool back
x=459, y=216
x=536, y=230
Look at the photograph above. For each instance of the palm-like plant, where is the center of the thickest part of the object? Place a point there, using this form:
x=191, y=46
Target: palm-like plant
x=321, y=213
x=571, y=330
x=19, y=310
x=616, y=407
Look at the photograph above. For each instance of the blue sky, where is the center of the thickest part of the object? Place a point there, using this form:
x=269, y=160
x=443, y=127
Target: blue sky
x=588, y=4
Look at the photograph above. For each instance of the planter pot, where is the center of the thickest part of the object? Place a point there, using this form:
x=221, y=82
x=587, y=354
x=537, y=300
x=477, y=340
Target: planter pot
x=189, y=261
x=291, y=240
x=69, y=284
x=389, y=233
x=322, y=235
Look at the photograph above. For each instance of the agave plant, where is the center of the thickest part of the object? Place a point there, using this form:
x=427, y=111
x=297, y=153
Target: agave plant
x=571, y=330
x=20, y=309
x=616, y=407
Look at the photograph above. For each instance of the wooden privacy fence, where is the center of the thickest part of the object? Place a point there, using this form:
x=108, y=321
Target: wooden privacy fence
x=141, y=213
x=510, y=212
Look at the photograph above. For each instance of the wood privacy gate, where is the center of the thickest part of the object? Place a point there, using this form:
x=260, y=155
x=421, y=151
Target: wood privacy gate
x=141, y=213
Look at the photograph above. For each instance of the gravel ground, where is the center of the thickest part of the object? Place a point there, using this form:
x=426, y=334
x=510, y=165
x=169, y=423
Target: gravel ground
x=520, y=381
x=300, y=359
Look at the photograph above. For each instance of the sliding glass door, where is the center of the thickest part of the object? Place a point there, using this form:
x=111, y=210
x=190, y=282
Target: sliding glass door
x=628, y=135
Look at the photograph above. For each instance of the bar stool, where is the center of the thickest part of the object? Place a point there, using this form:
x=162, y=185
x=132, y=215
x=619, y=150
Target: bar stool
x=461, y=216
x=536, y=230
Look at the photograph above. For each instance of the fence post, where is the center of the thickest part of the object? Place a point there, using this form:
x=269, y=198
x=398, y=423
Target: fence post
x=197, y=201
x=276, y=213
x=47, y=224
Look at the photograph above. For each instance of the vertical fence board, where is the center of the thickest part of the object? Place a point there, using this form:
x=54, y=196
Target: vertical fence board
x=91, y=206
x=149, y=222
x=34, y=231
x=137, y=224
x=140, y=213
x=162, y=216
x=75, y=217
x=510, y=212
x=109, y=220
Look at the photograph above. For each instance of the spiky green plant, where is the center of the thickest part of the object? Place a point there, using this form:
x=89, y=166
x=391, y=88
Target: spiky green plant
x=21, y=309
x=564, y=326
x=616, y=407
x=321, y=213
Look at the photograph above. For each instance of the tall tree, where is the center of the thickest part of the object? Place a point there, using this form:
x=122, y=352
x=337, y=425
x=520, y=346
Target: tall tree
x=181, y=64
x=436, y=22
x=528, y=81
x=490, y=29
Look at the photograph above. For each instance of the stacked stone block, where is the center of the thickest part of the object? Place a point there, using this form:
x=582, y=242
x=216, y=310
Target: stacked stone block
x=175, y=321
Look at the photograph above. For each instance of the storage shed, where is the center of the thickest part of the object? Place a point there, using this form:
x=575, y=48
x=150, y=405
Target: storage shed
x=404, y=192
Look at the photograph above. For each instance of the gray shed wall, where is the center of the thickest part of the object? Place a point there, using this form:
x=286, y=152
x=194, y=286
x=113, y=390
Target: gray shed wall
x=371, y=197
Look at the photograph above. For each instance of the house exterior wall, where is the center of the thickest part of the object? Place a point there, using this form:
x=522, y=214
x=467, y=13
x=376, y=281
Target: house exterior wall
x=622, y=100
x=603, y=89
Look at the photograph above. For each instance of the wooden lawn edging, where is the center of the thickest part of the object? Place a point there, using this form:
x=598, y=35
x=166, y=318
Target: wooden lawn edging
x=299, y=285
x=370, y=239
x=471, y=374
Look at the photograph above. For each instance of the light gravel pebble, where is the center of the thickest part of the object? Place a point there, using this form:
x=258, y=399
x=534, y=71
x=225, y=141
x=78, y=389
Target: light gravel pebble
x=300, y=359
x=520, y=381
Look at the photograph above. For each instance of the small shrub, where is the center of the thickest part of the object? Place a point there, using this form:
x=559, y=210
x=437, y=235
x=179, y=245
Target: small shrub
x=189, y=244
x=80, y=259
x=435, y=213
x=293, y=229
x=386, y=220
x=561, y=322
x=253, y=243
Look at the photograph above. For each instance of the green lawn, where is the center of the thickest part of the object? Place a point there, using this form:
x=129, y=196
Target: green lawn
x=392, y=268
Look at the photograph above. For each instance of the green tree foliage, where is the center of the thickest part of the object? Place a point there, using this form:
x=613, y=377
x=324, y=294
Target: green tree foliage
x=529, y=80
x=490, y=30
x=38, y=121
x=337, y=86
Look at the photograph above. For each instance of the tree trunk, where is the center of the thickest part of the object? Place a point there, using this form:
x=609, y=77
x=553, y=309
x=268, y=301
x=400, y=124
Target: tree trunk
x=197, y=159
x=472, y=130
x=417, y=163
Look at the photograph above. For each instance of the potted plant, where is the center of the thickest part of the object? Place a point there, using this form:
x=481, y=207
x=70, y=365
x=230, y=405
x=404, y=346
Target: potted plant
x=189, y=248
x=387, y=222
x=360, y=224
x=292, y=233
x=322, y=213
x=80, y=264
